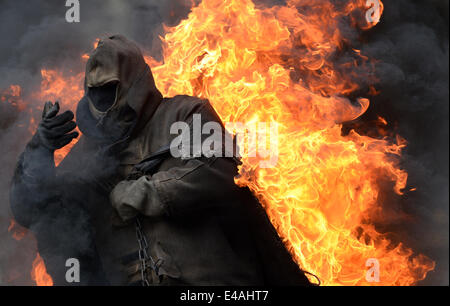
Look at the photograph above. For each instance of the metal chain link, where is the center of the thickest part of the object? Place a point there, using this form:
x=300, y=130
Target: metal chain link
x=146, y=261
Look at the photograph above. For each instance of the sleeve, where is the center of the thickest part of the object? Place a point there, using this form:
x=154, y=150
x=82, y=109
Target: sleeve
x=34, y=174
x=198, y=185
x=64, y=231
x=61, y=227
x=194, y=183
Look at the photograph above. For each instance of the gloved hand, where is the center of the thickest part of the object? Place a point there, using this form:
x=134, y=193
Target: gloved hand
x=130, y=198
x=53, y=130
x=53, y=133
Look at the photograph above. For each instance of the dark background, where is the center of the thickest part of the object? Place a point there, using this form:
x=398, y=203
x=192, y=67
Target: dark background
x=411, y=44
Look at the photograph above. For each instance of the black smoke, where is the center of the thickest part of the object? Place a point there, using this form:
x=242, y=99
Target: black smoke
x=411, y=44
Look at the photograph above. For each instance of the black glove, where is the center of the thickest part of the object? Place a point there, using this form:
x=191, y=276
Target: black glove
x=34, y=179
x=37, y=161
x=53, y=131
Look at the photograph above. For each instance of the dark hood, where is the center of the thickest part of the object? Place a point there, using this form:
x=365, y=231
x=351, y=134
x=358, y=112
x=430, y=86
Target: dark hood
x=117, y=59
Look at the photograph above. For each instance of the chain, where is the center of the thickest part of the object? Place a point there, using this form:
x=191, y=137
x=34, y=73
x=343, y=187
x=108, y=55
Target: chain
x=146, y=261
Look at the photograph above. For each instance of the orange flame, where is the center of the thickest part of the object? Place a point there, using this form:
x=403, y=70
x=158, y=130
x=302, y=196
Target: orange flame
x=17, y=231
x=39, y=273
x=323, y=193
x=13, y=96
x=68, y=90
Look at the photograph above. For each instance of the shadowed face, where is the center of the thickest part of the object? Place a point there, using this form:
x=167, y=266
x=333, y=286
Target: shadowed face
x=103, y=97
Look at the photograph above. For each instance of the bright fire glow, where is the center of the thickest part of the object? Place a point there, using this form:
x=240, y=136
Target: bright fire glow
x=323, y=192
x=67, y=90
x=39, y=273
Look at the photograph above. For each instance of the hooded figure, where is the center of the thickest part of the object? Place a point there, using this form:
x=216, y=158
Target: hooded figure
x=128, y=210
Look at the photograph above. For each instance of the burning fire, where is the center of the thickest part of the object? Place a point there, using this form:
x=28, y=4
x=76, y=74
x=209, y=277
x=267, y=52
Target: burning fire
x=279, y=64
x=39, y=273
x=54, y=87
x=17, y=231
x=323, y=193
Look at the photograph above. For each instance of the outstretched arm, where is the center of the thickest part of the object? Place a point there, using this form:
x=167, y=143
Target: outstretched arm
x=61, y=227
x=34, y=177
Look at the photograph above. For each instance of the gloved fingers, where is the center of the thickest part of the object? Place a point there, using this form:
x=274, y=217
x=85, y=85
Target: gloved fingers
x=127, y=212
x=58, y=120
x=50, y=110
x=55, y=140
x=65, y=140
x=47, y=106
x=63, y=129
x=118, y=198
x=56, y=132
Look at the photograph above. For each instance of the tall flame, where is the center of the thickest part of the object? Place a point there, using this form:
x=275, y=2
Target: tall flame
x=323, y=191
x=39, y=273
